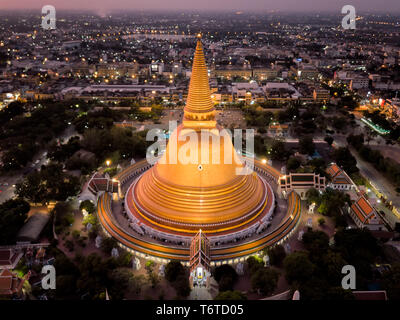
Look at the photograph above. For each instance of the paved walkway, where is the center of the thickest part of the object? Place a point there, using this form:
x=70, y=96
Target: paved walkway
x=200, y=293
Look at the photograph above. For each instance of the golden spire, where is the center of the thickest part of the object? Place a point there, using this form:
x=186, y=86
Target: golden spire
x=199, y=105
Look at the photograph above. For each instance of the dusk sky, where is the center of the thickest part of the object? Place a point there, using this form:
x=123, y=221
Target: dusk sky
x=389, y=6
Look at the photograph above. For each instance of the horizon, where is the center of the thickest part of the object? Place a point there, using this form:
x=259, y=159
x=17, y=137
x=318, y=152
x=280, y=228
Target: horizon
x=207, y=6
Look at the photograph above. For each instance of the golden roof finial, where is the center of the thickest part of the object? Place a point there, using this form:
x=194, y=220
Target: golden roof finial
x=199, y=105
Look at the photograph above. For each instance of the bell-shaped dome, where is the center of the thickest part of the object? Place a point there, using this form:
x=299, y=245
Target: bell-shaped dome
x=200, y=182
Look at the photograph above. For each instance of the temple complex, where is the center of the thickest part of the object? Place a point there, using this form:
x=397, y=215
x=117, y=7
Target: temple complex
x=199, y=183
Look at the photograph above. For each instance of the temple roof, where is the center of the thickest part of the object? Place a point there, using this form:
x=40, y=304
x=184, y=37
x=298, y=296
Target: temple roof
x=338, y=176
x=364, y=211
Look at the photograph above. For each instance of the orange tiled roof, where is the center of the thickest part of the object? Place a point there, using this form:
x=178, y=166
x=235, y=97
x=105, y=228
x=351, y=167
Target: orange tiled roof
x=333, y=170
x=337, y=175
x=363, y=209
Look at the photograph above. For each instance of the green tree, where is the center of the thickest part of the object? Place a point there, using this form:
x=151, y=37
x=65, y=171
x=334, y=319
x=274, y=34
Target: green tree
x=173, y=270
x=254, y=263
x=278, y=151
x=226, y=277
x=265, y=280
x=306, y=145
x=345, y=160
x=13, y=214
x=176, y=274
x=230, y=295
x=332, y=264
x=276, y=255
x=293, y=164
x=317, y=243
x=391, y=280
x=51, y=183
x=88, y=206
x=359, y=248
x=107, y=244
x=298, y=267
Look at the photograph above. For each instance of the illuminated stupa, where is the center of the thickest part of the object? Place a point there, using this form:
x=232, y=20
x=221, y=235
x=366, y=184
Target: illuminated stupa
x=210, y=192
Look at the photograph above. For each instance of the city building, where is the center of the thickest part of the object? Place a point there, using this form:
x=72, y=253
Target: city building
x=321, y=95
x=300, y=183
x=359, y=83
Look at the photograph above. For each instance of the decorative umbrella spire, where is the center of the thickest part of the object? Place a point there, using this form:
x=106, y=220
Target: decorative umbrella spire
x=199, y=106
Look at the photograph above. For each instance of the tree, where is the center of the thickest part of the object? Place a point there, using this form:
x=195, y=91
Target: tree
x=292, y=164
x=62, y=152
x=230, y=295
x=107, y=244
x=66, y=285
x=14, y=109
x=391, y=280
x=173, y=270
x=298, y=267
x=306, y=145
x=318, y=166
x=265, y=280
x=276, y=255
x=345, y=159
x=226, y=277
x=278, y=151
x=317, y=244
x=315, y=241
x=357, y=141
x=176, y=274
x=13, y=214
x=182, y=285
x=359, y=248
x=254, y=263
x=329, y=140
x=151, y=275
x=63, y=216
x=313, y=196
x=17, y=157
x=259, y=145
x=331, y=202
x=332, y=263
x=51, y=183
x=88, y=206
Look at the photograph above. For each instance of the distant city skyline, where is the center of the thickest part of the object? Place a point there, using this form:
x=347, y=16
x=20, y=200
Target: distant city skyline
x=105, y=6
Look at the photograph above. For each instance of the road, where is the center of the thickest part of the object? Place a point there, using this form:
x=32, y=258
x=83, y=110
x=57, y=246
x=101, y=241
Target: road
x=376, y=179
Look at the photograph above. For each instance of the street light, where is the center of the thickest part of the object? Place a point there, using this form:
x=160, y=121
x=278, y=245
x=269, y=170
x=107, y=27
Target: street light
x=108, y=162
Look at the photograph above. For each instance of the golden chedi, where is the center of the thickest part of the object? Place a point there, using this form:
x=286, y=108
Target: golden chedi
x=199, y=182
